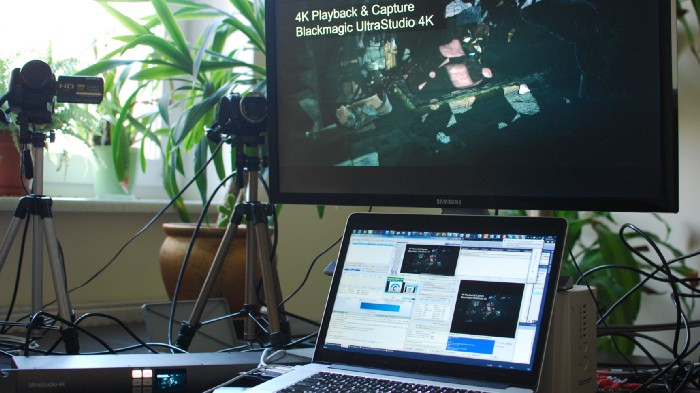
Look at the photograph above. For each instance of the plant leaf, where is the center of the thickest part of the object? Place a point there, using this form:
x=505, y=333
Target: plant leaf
x=168, y=20
x=127, y=22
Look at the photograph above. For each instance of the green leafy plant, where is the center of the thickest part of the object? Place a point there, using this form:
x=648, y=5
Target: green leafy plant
x=684, y=9
x=195, y=74
x=5, y=70
x=114, y=122
x=598, y=253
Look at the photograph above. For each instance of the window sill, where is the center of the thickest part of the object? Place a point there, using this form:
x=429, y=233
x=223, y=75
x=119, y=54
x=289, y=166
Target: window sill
x=94, y=205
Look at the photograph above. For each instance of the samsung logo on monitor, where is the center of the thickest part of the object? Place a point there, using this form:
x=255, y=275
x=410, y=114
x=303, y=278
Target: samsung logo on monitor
x=449, y=202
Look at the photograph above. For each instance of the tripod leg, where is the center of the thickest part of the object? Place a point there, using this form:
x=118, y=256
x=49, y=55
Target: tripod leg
x=279, y=331
x=65, y=311
x=9, y=239
x=189, y=327
x=37, y=264
x=250, y=305
x=41, y=208
x=21, y=216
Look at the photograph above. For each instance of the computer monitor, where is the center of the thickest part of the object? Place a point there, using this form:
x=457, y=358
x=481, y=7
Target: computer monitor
x=513, y=104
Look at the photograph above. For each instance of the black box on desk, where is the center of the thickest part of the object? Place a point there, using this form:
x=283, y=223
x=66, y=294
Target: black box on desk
x=133, y=373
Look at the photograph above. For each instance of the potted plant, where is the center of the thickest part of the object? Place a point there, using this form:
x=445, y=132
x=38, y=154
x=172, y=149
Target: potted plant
x=12, y=180
x=604, y=257
x=115, y=133
x=195, y=75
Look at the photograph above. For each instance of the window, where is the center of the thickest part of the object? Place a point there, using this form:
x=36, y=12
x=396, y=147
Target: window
x=60, y=31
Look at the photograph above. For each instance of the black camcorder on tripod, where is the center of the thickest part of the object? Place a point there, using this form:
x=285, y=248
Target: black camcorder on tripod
x=241, y=121
x=34, y=89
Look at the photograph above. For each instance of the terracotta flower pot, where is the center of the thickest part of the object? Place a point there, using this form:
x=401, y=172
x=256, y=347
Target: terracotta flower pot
x=230, y=283
x=10, y=182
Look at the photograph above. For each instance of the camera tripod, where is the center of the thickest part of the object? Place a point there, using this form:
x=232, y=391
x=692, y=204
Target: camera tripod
x=258, y=246
x=38, y=207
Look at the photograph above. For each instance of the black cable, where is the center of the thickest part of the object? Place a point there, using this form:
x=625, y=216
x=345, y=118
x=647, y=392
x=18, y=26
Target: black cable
x=234, y=349
x=190, y=247
x=639, y=285
x=684, y=257
x=311, y=266
x=39, y=315
x=673, y=369
x=113, y=259
x=654, y=327
x=142, y=230
x=18, y=275
x=300, y=340
x=164, y=345
x=148, y=224
x=303, y=319
x=130, y=240
x=648, y=275
x=677, y=359
x=221, y=318
x=308, y=271
x=629, y=293
x=633, y=339
x=24, y=154
x=109, y=349
x=680, y=315
x=120, y=323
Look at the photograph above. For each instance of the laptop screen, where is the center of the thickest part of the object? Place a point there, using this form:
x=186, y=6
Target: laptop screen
x=473, y=292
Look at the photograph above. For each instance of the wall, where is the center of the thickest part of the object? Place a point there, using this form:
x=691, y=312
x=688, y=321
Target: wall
x=90, y=235
x=686, y=224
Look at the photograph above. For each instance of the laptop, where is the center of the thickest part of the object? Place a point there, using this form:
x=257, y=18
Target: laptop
x=453, y=301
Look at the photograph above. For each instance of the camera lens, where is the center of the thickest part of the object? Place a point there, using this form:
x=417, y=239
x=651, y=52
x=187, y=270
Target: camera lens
x=37, y=75
x=254, y=107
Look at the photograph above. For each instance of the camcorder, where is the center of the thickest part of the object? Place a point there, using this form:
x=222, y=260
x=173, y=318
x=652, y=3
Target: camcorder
x=243, y=115
x=34, y=89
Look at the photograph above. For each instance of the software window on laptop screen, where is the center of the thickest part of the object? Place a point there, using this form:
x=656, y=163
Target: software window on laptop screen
x=474, y=297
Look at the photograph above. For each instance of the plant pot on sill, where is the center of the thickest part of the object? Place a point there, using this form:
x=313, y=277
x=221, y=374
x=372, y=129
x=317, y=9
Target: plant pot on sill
x=230, y=283
x=10, y=180
x=104, y=177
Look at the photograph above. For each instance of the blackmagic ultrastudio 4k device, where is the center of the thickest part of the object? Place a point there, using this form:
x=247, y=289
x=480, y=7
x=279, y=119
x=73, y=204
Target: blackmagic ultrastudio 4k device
x=132, y=373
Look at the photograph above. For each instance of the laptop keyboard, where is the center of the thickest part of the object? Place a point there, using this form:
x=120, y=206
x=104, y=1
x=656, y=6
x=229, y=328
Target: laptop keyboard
x=330, y=382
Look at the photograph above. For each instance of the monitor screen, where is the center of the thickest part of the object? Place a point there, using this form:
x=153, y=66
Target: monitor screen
x=514, y=104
